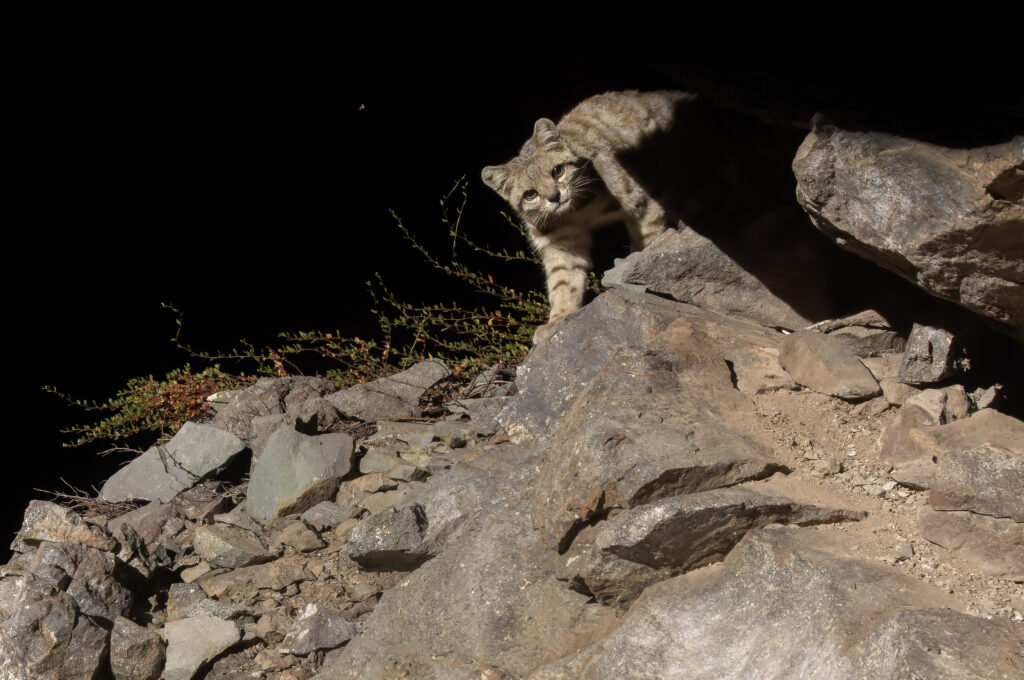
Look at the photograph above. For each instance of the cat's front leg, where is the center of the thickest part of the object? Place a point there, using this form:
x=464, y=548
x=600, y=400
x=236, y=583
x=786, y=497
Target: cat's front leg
x=566, y=259
x=645, y=218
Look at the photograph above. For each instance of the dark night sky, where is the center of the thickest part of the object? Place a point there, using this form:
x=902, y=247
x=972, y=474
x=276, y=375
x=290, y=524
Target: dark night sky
x=254, y=197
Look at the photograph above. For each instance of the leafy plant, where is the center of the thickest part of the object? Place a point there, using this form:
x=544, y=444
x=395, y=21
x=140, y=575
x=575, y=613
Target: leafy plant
x=148, y=404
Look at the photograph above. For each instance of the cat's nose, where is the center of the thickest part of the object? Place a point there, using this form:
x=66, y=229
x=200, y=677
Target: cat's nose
x=555, y=196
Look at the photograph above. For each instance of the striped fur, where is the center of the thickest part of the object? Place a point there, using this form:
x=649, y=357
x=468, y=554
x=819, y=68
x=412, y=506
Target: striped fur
x=567, y=181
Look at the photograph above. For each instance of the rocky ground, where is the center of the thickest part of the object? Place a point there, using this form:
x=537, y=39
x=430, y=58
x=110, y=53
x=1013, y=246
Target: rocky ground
x=689, y=479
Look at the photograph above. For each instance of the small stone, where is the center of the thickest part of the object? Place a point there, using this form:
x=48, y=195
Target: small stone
x=294, y=533
x=317, y=628
x=194, y=642
x=407, y=473
x=344, y=530
x=827, y=366
x=325, y=515
x=224, y=546
x=45, y=521
x=903, y=551
x=376, y=502
x=378, y=459
x=136, y=653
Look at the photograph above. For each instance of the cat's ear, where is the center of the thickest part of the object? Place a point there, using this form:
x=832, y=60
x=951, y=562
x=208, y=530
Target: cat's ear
x=544, y=131
x=495, y=177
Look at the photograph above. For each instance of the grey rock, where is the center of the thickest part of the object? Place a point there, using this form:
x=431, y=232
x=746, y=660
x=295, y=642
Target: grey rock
x=294, y=533
x=194, y=642
x=927, y=407
x=915, y=474
x=555, y=371
x=808, y=611
x=296, y=472
x=433, y=621
x=404, y=436
x=378, y=459
x=195, y=452
x=96, y=579
x=181, y=597
x=317, y=416
x=45, y=521
x=396, y=396
x=980, y=464
x=690, y=268
x=671, y=536
x=993, y=545
x=946, y=219
x=236, y=410
x=87, y=652
x=224, y=546
x=45, y=638
x=928, y=357
x=407, y=473
x=276, y=575
x=136, y=653
x=391, y=539
x=827, y=366
x=315, y=628
x=324, y=515
x=484, y=412
x=260, y=430
x=653, y=423
x=147, y=521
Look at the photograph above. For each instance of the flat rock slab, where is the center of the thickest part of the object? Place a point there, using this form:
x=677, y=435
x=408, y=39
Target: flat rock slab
x=946, y=219
x=194, y=642
x=675, y=535
x=396, y=396
x=159, y=474
x=136, y=653
x=690, y=268
x=315, y=628
x=826, y=365
x=230, y=547
x=993, y=545
x=980, y=464
x=296, y=472
x=789, y=603
x=239, y=583
x=45, y=521
x=653, y=423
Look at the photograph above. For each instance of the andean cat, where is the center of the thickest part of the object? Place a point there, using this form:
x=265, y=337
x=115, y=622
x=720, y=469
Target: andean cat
x=568, y=180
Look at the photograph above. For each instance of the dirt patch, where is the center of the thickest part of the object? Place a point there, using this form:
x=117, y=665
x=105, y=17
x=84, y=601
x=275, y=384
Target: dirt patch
x=832, y=448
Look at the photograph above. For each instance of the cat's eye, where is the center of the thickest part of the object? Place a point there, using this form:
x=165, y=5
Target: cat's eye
x=558, y=171
x=529, y=195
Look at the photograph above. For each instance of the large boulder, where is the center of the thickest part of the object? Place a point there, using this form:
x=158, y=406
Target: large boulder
x=789, y=603
x=690, y=268
x=653, y=423
x=950, y=220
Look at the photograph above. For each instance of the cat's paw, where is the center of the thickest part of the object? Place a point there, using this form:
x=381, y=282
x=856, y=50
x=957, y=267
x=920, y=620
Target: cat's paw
x=544, y=332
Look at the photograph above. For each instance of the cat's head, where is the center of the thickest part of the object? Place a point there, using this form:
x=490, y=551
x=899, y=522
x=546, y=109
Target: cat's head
x=545, y=181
